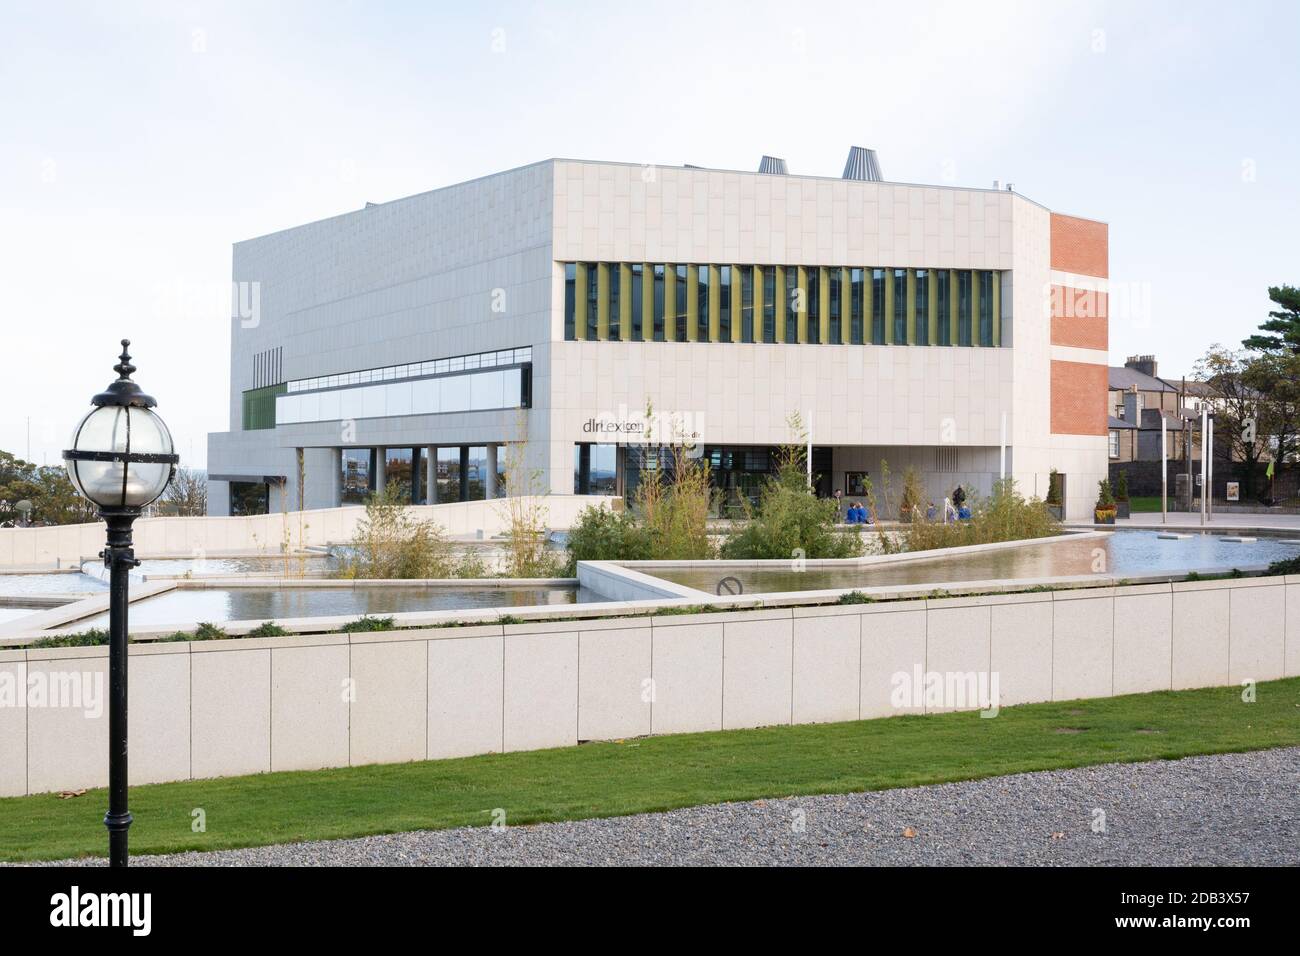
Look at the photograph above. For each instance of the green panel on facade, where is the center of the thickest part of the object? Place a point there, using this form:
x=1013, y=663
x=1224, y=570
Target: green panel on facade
x=259, y=406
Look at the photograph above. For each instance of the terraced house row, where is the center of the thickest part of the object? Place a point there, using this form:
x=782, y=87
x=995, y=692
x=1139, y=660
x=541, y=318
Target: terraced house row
x=961, y=331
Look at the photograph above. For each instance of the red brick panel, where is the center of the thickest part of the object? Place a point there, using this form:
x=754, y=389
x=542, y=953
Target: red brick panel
x=1079, y=398
x=1079, y=318
x=1080, y=246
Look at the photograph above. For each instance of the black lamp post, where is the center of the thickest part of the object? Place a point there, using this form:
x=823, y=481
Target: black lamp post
x=121, y=460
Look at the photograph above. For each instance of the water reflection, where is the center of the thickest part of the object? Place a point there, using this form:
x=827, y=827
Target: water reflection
x=1122, y=553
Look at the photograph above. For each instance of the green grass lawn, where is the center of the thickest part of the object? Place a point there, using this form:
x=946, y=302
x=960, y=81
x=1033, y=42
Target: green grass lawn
x=1144, y=504
x=659, y=773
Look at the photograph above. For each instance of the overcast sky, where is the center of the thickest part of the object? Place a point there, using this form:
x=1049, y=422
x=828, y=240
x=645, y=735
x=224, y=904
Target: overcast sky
x=138, y=140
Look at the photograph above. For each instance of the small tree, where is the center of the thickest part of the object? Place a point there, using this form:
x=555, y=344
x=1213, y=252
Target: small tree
x=912, y=504
x=1121, y=486
x=1105, y=499
x=790, y=519
x=390, y=543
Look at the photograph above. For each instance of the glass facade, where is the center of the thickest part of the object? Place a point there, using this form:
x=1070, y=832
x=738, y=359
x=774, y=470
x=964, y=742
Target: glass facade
x=595, y=469
x=724, y=303
x=900, y=305
x=963, y=308
x=593, y=300
x=398, y=472
x=877, y=306
x=570, y=297
x=659, y=274
x=702, y=304
x=638, y=274
x=943, y=300
x=813, y=303
x=986, y=308
x=680, y=290
x=746, y=303
x=448, y=475
x=358, y=478
x=793, y=303
x=921, y=314
x=856, y=302
x=835, y=280
x=615, y=302
x=769, y=304
x=752, y=303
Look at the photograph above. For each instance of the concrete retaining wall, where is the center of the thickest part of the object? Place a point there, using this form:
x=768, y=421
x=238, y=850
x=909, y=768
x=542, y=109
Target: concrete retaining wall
x=185, y=537
x=223, y=708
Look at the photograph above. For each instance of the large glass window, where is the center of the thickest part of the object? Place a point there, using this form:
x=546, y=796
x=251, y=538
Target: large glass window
x=702, y=304
x=769, y=304
x=448, y=475
x=570, y=284
x=878, y=306
x=595, y=469
x=615, y=302
x=659, y=303
x=900, y=306
x=357, y=480
x=963, y=307
x=922, y=314
x=724, y=303
x=250, y=498
x=793, y=303
x=476, y=473
x=746, y=303
x=944, y=303
x=635, y=292
x=813, y=303
x=986, y=308
x=397, y=472
x=679, y=294
x=593, y=298
x=856, y=302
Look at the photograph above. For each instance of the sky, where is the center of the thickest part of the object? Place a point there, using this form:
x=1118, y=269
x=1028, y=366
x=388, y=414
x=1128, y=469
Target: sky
x=139, y=140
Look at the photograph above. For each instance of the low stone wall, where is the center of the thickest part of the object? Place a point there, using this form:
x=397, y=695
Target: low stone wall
x=186, y=537
x=221, y=708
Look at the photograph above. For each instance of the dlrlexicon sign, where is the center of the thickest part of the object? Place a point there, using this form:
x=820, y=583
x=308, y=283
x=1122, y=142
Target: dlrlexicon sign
x=77, y=690
x=72, y=909
x=655, y=427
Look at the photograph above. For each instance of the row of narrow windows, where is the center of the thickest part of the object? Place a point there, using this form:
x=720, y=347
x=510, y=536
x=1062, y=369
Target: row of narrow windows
x=834, y=305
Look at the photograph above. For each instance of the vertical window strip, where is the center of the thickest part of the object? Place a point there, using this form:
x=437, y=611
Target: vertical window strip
x=770, y=305
x=570, y=290
x=921, y=315
x=636, y=293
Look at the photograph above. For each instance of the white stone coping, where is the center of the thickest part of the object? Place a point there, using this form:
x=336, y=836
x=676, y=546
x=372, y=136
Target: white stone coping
x=615, y=614
x=642, y=616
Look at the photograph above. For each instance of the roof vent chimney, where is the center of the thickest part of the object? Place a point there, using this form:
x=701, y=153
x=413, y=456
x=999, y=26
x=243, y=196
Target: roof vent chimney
x=1146, y=364
x=773, y=165
x=862, y=165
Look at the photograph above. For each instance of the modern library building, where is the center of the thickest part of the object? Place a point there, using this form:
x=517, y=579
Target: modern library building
x=593, y=313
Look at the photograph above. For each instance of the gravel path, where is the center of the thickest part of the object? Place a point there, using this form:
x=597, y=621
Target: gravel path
x=1235, y=809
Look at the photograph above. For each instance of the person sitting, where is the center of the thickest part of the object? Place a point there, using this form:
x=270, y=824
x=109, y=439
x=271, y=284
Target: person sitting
x=930, y=512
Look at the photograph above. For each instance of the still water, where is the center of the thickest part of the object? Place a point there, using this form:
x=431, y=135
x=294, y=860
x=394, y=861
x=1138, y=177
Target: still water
x=1121, y=553
x=184, y=606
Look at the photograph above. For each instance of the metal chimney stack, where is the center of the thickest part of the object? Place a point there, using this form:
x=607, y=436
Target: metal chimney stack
x=772, y=165
x=862, y=165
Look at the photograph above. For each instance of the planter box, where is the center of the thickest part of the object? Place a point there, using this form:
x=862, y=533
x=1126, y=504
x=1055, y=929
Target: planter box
x=1121, y=509
x=1103, y=517
x=1056, y=511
